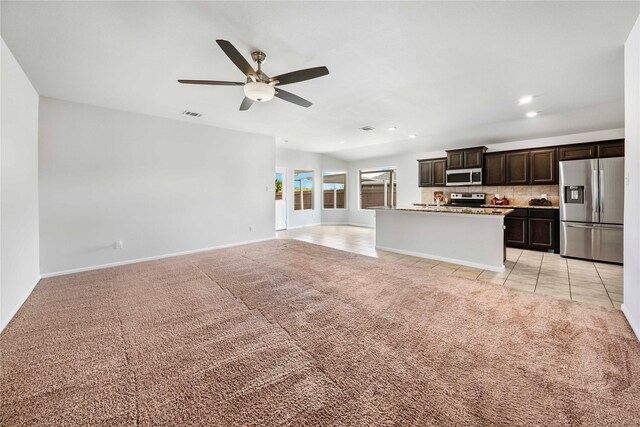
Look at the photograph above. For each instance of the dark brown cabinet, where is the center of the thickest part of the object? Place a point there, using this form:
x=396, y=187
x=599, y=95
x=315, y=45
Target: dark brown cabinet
x=431, y=173
x=439, y=172
x=495, y=172
x=473, y=157
x=425, y=173
x=516, y=232
x=577, y=152
x=532, y=229
x=455, y=160
x=612, y=149
x=465, y=159
x=543, y=166
x=517, y=165
x=541, y=233
x=527, y=167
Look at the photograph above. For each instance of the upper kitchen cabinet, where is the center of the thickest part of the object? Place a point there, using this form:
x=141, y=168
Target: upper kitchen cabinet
x=439, y=172
x=455, y=159
x=425, y=173
x=495, y=171
x=473, y=157
x=577, y=152
x=468, y=158
x=431, y=173
x=517, y=166
x=543, y=166
x=611, y=148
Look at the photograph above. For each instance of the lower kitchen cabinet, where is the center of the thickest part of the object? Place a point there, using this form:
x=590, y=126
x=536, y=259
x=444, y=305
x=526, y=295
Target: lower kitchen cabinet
x=533, y=229
x=516, y=232
x=541, y=233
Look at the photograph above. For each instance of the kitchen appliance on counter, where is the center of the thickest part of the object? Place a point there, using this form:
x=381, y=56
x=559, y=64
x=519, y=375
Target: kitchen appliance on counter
x=592, y=209
x=463, y=177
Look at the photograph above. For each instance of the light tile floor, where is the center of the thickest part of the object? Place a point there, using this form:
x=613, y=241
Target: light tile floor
x=532, y=271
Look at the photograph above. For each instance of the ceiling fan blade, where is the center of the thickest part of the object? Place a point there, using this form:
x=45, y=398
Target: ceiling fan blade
x=211, y=82
x=236, y=57
x=246, y=103
x=287, y=96
x=301, y=75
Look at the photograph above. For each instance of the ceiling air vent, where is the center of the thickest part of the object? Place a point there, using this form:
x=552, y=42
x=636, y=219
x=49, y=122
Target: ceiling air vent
x=191, y=113
x=367, y=128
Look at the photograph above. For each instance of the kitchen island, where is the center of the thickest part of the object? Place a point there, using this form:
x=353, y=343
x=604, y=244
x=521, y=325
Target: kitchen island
x=468, y=236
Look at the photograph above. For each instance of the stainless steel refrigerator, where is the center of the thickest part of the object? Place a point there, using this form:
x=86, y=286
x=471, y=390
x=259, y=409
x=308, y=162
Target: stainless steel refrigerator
x=592, y=208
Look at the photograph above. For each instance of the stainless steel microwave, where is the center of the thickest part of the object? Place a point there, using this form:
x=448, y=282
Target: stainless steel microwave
x=464, y=177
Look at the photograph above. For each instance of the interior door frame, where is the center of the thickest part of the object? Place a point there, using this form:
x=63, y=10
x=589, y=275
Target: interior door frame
x=285, y=195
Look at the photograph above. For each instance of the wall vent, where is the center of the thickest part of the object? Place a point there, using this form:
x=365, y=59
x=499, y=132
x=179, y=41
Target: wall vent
x=367, y=128
x=191, y=113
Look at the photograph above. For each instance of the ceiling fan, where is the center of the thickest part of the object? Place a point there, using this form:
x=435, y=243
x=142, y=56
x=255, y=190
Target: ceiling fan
x=258, y=86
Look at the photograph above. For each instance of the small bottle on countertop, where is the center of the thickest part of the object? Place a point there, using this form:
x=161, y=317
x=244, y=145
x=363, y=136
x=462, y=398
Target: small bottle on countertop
x=504, y=201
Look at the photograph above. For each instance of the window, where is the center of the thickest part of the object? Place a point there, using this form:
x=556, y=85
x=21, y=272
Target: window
x=378, y=188
x=302, y=190
x=334, y=185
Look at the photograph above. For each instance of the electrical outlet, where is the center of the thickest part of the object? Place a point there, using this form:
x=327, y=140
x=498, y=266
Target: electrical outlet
x=543, y=196
x=118, y=244
x=626, y=179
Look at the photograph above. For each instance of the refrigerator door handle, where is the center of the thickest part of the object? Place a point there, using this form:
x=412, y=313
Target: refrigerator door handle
x=595, y=196
x=601, y=195
x=594, y=226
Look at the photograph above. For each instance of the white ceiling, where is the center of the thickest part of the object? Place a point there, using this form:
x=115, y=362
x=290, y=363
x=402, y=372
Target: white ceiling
x=450, y=72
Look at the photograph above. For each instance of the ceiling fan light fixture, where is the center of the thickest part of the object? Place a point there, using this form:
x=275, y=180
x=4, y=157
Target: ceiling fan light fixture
x=259, y=91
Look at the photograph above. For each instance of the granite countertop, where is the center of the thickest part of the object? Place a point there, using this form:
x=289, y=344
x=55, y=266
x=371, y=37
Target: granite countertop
x=455, y=210
x=521, y=207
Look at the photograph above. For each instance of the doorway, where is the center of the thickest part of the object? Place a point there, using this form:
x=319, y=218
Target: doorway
x=281, y=198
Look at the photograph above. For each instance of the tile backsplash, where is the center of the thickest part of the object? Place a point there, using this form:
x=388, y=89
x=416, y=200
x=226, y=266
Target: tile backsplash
x=517, y=194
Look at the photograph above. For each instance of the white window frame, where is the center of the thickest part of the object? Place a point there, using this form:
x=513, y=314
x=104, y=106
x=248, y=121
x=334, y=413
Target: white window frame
x=313, y=188
x=380, y=169
x=346, y=180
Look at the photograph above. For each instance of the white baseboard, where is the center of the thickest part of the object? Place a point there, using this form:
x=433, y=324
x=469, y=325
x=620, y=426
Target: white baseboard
x=152, y=258
x=441, y=258
x=634, y=323
x=17, y=307
x=355, y=224
x=303, y=226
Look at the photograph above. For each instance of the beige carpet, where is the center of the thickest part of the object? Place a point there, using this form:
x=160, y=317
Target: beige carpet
x=289, y=333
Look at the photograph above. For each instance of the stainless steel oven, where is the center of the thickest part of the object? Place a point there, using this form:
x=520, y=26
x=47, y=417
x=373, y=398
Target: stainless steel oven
x=464, y=177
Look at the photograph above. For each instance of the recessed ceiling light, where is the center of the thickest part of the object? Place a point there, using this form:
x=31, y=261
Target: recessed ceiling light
x=341, y=142
x=413, y=135
x=532, y=114
x=525, y=100
x=392, y=128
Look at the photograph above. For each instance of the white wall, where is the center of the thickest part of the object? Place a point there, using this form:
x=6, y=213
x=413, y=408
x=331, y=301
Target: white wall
x=631, y=305
x=19, y=264
x=408, y=191
x=161, y=186
x=303, y=160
